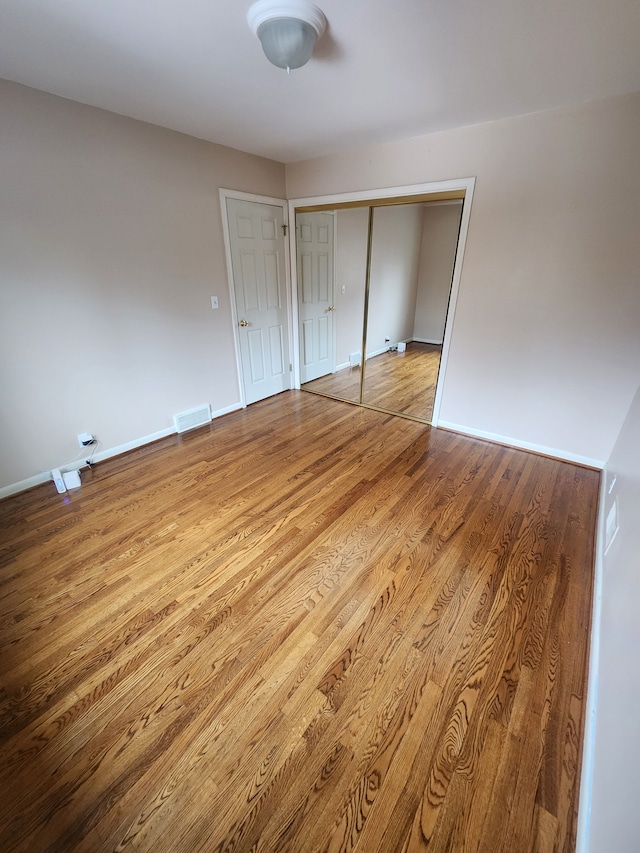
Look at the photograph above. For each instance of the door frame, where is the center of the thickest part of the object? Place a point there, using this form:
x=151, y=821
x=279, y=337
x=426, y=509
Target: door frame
x=274, y=202
x=380, y=195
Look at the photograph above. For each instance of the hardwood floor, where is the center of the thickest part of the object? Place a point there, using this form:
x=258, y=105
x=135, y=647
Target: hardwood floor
x=307, y=627
x=345, y=384
x=404, y=382
x=399, y=382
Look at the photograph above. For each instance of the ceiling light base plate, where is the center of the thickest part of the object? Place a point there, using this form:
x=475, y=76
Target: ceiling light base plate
x=301, y=10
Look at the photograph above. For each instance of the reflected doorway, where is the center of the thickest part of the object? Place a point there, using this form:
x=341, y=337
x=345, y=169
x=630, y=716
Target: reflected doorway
x=315, y=256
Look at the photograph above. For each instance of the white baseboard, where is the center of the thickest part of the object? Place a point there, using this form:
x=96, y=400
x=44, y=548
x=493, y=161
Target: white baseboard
x=44, y=476
x=376, y=352
x=427, y=341
x=565, y=455
x=23, y=485
x=235, y=407
x=590, y=714
x=369, y=355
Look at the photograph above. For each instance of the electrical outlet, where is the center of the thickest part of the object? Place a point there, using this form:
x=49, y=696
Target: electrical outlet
x=611, y=526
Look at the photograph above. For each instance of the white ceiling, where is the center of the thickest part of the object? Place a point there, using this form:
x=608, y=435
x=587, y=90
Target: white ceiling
x=385, y=69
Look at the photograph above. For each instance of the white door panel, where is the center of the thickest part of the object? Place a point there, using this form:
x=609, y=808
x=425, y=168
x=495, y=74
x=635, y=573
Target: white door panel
x=257, y=257
x=315, y=294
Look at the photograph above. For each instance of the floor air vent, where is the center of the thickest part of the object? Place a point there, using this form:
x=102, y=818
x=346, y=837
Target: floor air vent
x=184, y=421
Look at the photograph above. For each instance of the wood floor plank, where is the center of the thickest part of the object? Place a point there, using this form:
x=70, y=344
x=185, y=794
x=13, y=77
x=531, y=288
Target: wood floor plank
x=399, y=382
x=306, y=627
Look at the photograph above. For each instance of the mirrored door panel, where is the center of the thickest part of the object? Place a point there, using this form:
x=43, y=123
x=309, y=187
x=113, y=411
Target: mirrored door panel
x=341, y=379
x=412, y=257
x=391, y=278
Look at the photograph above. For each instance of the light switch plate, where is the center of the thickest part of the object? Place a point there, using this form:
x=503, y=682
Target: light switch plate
x=214, y=302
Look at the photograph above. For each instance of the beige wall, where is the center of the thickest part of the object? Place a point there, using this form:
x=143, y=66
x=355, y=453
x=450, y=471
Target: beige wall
x=395, y=258
x=441, y=225
x=546, y=344
x=615, y=679
x=110, y=248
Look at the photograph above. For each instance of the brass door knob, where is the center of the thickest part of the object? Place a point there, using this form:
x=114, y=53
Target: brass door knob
x=243, y=323
x=331, y=308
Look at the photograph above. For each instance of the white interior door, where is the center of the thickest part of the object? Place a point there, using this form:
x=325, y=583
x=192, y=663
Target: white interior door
x=314, y=238
x=256, y=238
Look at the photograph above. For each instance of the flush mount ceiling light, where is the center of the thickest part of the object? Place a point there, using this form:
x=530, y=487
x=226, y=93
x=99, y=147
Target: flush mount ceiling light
x=287, y=29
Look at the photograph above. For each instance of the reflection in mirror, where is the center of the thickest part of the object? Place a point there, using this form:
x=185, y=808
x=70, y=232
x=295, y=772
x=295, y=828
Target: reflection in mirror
x=342, y=378
x=413, y=254
x=314, y=235
x=412, y=258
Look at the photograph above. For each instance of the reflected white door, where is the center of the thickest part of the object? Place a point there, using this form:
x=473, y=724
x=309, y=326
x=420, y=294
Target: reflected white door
x=256, y=239
x=314, y=237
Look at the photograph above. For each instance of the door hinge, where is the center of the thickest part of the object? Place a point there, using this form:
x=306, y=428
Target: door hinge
x=284, y=229
x=290, y=368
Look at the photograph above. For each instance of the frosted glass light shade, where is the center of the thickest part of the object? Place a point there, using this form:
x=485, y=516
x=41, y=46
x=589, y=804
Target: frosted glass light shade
x=287, y=29
x=287, y=42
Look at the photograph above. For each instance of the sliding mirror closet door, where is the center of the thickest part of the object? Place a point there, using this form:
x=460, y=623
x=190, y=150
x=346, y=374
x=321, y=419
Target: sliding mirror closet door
x=374, y=286
x=412, y=259
x=346, y=250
